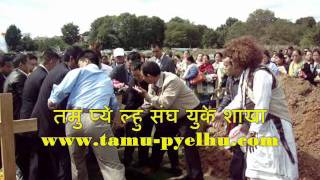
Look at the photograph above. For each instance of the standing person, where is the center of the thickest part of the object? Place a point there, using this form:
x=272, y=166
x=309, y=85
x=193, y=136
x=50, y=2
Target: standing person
x=89, y=88
x=199, y=59
x=168, y=91
x=259, y=89
x=34, y=82
x=29, y=98
x=297, y=63
x=206, y=88
x=14, y=84
x=266, y=60
x=120, y=71
x=191, y=72
x=316, y=69
x=135, y=101
x=54, y=161
x=281, y=63
x=237, y=164
x=307, y=72
x=33, y=61
x=5, y=69
x=164, y=61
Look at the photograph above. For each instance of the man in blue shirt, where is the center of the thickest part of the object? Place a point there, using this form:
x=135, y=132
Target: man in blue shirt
x=89, y=88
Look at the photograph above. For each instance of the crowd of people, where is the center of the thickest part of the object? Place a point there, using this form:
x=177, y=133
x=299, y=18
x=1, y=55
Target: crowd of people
x=243, y=76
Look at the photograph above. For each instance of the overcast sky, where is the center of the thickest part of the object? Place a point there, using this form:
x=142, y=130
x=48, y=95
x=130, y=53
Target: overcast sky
x=46, y=17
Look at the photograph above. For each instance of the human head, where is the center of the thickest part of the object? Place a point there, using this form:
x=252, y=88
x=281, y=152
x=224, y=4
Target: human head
x=218, y=57
x=199, y=57
x=308, y=56
x=119, y=54
x=186, y=54
x=280, y=59
x=72, y=56
x=156, y=50
x=105, y=60
x=290, y=50
x=50, y=59
x=151, y=72
x=6, y=64
x=316, y=55
x=89, y=57
x=190, y=60
x=266, y=57
x=205, y=59
x=33, y=61
x=229, y=69
x=177, y=58
x=244, y=52
x=132, y=57
x=21, y=62
x=135, y=70
x=296, y=56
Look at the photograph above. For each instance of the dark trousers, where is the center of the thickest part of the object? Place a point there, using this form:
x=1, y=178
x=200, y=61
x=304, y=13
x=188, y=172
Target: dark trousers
x=55, y=163
x=27, y=159
x=237, y=165
x=165, y=129
x=191, y=153
x=143, y=152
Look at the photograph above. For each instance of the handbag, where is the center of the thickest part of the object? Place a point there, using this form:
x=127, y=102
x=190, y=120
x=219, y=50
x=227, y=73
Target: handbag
x=199, y=78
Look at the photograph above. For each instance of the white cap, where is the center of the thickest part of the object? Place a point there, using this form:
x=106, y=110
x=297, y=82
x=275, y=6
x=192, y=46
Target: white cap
x=118, y=52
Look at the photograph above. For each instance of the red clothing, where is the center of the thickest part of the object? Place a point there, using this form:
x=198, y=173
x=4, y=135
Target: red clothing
x=206, y=68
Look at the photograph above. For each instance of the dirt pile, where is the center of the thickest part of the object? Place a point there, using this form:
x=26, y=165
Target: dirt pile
x=304, y=106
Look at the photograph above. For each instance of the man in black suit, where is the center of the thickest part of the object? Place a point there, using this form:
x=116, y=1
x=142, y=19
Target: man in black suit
x=14, y=84
x=55, y=161
x=29, y=98
x=165, y=62
x=134, y=101
x=34, y=82
x=5, y=69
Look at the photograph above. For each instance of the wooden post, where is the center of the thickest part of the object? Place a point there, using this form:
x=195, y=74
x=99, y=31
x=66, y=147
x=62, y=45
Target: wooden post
x=7, y=138
x=8, y=128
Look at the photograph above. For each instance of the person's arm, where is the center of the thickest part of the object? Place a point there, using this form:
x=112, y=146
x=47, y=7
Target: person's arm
x=59, y=92
x=193, y=72
x=226, y=98
x=262, y=92
x=237, y=101
x=167, y=97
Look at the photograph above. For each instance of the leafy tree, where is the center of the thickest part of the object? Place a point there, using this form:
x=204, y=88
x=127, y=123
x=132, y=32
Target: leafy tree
x=13, y=37
x=258, y=20
x=210, y=38
x=70, y=33
x=56, y=42
x=181, y=33
x=236, y=30
x=28, y=43
x=309, y=21
x=230, y=21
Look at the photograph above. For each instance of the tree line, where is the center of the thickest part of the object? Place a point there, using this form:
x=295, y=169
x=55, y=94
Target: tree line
x=131, y=31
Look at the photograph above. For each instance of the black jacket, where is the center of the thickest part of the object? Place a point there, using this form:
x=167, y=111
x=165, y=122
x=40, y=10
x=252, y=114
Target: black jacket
x=120, y=73
x=135, y=99
x=31, y=91
x=309, y=73
x=2, y=80
x=46, y=123
x=14, y=84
